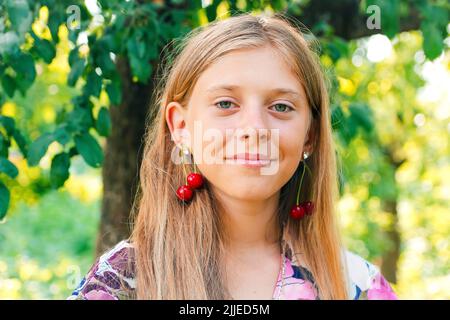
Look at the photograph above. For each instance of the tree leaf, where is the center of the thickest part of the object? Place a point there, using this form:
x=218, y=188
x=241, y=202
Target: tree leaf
x=9, y=85
x=23, y=64
x=4, y=145
x=74, y=56
x=89, y=149
x=79, y=120
x=75, y=72
x=38, y=148
x=348, y=130
x=45, y=49
x=362, y=115
x=59, y=171
x=140, y=69
x=20, y=140
x=8, y=168
x=390, y=15
x=8, y=123
x=19, y=14
x=93, y=85
x=114, y=90
x=103, y=124
x=9, y=42
x=211, y=10
x=103, y=60
x=62, y=135
x=54, y=21
x=4, y=200
x=136, y=45
x=433, y=42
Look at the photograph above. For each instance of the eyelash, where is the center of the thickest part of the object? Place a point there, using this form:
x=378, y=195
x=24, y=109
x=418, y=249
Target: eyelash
x=289, y=108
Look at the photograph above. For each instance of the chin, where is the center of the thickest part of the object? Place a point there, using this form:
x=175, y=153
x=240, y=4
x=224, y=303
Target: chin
x=242, y=183
x=249, y=190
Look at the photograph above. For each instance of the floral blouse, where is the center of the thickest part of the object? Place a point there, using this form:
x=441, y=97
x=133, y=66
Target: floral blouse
x=110, y=278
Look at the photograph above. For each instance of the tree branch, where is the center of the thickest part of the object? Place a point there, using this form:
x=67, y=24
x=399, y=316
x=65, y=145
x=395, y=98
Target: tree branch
x=347, y=19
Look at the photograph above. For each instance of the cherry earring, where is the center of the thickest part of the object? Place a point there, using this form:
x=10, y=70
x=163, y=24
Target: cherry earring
x=305, y=208
x=194, y=180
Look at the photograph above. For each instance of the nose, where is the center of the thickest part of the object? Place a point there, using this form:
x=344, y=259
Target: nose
x=249, y=133
x=253, y=125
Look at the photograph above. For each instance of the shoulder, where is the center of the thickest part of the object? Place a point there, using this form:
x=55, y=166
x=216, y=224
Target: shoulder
x=111, y=277
x=365, y=280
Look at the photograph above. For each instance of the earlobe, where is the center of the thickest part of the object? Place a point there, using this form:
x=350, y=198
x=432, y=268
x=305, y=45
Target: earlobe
x=308, y=149
x=175, y=119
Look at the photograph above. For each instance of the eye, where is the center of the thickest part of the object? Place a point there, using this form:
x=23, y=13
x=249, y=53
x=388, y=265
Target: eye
x=281, y=107
x=224, y=104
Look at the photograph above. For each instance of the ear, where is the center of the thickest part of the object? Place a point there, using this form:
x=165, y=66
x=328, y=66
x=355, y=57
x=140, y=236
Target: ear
x=310, y=138
x=175, y=119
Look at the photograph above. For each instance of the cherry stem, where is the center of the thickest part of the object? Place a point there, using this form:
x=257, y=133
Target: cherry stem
x=301, y=180
x=182, y=163
x=193, y=163
x=307, y=168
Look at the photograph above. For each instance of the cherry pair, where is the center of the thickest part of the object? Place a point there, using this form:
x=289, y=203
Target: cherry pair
x=302, y=209
x=186, y=192
x=194, y=180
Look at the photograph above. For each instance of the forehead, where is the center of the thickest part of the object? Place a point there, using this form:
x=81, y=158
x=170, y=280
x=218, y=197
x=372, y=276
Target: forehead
x=255, y=69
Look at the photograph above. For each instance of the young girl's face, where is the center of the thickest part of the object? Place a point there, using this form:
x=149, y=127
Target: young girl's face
x=248, y=120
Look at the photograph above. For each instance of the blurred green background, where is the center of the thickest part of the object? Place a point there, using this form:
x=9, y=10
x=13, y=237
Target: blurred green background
x=68, y=160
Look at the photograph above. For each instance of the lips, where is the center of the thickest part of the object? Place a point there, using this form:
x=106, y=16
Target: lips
x=249, y=160
x=249, y=156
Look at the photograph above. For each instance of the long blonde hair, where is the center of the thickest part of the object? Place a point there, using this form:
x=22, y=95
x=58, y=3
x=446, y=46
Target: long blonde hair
x=178, y=247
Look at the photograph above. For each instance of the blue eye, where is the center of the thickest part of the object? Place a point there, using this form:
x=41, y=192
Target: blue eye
x=224, y=104
x=281, y=107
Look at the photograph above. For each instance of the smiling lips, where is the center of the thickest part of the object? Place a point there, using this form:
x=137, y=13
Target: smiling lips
x=249, y=160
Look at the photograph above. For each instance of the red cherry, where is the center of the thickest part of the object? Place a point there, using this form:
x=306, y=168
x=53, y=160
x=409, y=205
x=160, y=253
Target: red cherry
x=195, y=180
x=185, y=193
x=309, y=207
x=297, y=212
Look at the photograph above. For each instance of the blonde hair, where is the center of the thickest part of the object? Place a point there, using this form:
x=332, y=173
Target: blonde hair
x=179, y=248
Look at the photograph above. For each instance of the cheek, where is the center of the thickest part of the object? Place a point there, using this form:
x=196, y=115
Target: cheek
x=205, y=131
x=291, y=147
x=291, y=142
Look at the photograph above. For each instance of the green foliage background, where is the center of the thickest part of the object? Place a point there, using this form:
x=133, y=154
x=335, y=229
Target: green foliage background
x=56, y=92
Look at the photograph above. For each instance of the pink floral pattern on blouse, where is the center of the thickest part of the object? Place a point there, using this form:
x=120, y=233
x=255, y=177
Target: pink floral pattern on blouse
x=112, y=278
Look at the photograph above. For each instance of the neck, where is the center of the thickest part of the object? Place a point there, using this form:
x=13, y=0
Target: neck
x=250, y=224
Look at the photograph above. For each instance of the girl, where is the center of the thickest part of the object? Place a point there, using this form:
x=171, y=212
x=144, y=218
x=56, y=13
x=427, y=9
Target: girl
x=248, y=209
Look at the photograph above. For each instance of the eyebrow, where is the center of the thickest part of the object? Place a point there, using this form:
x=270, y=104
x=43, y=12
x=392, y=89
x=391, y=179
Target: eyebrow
x=235, y=87
x=222, y=87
